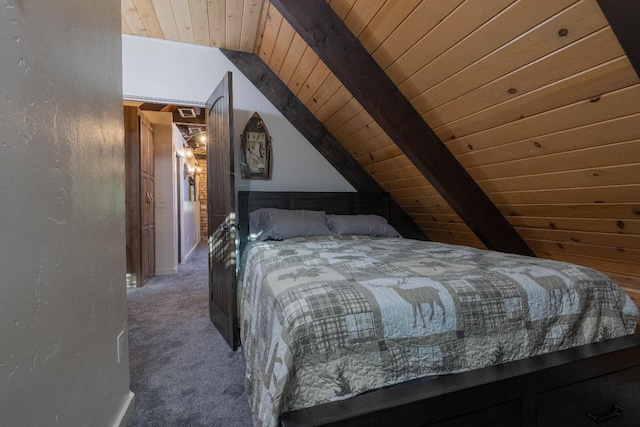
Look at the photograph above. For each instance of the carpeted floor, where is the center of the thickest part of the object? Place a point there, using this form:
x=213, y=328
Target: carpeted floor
x=182, y=371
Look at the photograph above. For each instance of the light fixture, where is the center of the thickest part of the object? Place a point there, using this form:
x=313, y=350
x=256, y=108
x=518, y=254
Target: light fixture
x=203, y=137
x=188, y=152
x=198, y=169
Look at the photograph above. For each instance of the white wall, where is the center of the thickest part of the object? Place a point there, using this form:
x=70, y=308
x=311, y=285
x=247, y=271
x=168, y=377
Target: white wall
x=190, y=209
x=62, y=215
x=156, y=70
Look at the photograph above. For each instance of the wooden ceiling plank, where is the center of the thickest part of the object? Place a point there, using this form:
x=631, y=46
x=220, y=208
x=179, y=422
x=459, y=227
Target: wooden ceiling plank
x=124, y=25
x=386, y=21
x=370, y=131
x=446, y=33
x=265, y=80
x=585, y=238
x=361, y=14
x=621, y=211
x=603, y=252
x=166, y=18
x=409, y=171
x=348, y=111
x=580, y=57
x=607, y=176
x=336, y=46
x=619, y=103
x=251, y=15
x=281, y=48
x=623, y=267
x=577, y=224
x=147, y=15
x=338, y=100
x=568, y=77
x=352, y=125
x=618, y=129
x=292, y=59
x=233, y=23
x=217, y=17
x=264, y=11
x=131, y=16
x=510, y=23
x=390, y=164
x=316, y=82
x=200, y=22
x=342, y=7
x=271, y=30
x=413, y=192
x=579, y=20
x=305, y=67
x=182, y=14
x=624, y=16
x=412, y=206
x=375, y=154
x=367, y=147
x=561, y=196
x=409, y=183
x=417, y=26
x=315, y=93
x=620, y=153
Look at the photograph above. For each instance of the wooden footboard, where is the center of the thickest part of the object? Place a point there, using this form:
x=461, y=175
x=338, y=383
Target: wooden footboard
x=581, y=386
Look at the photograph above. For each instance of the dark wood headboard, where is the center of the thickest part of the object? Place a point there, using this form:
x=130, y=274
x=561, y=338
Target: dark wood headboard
x=340, y=203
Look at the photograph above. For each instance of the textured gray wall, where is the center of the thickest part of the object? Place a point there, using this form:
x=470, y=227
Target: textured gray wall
x=62, y=242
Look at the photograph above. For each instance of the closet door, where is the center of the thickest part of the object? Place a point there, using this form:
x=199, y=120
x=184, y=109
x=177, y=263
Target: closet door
x=147, y=183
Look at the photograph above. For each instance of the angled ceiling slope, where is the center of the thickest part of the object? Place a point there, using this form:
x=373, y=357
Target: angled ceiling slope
x=341, y=51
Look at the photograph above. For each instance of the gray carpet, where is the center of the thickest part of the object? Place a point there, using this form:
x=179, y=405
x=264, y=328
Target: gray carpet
x=182, y=371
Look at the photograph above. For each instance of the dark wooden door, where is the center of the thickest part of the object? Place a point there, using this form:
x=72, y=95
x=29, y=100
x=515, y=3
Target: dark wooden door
x=147, y=182
x=221, y=212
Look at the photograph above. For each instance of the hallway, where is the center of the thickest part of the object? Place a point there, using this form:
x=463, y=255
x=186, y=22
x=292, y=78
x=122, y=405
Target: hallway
x=182, y=371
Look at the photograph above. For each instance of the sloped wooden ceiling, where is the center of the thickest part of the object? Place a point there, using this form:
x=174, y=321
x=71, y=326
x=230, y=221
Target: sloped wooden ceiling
x=536, y=99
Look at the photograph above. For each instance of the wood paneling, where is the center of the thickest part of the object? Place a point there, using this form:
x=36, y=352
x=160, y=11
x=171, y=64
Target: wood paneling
x=220, y=23
x=338, y=48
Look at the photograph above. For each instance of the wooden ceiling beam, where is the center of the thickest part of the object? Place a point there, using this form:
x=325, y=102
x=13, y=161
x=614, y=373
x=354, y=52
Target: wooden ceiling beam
x=274, y=89
x=624, y=19
x=341, y=51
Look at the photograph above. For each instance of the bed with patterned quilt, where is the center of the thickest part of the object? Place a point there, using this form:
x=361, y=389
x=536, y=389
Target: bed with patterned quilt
x=329, y=313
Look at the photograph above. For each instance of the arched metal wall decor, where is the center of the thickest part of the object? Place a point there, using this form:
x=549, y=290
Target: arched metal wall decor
x=256, y=150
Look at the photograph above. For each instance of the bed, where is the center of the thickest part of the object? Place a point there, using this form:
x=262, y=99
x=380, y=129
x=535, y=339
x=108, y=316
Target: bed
x=352, y=325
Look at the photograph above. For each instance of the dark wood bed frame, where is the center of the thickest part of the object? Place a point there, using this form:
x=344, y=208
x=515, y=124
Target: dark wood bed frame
x=583, y=386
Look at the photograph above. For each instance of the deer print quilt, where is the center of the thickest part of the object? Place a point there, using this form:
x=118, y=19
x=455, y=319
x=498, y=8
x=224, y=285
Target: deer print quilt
x=328, y=318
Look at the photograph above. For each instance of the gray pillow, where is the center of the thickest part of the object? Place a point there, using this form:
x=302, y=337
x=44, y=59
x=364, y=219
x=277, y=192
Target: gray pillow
x=361, y=225
x=281, y=224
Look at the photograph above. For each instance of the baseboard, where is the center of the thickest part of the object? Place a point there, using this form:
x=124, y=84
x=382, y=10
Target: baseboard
x=186, y=257
x=126, y=412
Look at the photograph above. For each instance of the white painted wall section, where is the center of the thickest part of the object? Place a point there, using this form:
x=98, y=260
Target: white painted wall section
x=153, y=71
x=62, y=215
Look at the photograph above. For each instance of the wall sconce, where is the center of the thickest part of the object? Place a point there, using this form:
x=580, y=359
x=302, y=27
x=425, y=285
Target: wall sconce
x=188, y=153
x=198, y=169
